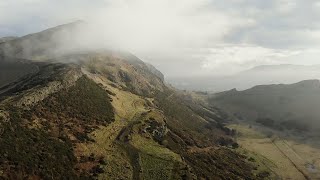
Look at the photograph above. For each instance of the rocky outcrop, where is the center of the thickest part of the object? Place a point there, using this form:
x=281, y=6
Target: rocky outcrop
x=157, y=129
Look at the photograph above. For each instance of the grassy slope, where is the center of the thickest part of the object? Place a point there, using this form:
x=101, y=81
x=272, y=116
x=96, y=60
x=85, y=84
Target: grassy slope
x=196, y=139
x=118, y=164
x=66, y=116
x=106, y=140
x=154, y=160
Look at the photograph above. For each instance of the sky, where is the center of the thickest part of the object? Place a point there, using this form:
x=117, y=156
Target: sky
x=185, y=38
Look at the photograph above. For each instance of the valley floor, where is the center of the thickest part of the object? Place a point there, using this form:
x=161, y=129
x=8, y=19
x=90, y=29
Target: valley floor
x=287, y=159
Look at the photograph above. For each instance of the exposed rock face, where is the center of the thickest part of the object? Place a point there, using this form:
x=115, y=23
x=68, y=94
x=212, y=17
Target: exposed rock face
x=157, y=129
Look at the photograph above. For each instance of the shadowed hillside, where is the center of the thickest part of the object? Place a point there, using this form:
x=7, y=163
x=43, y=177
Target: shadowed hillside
x=12, y=69
x=290, y=106
x=278, y=125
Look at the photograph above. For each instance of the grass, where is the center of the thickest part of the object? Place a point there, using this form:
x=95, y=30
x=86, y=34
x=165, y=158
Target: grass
x=287, y=159
x=148, y=146
x=124, y=150
x=156, y=161
x=85, y=101
x=34, y=153
x=117, y=160
x=192, y=128
x=127, y=107
x=39, y=143
x=219, y=163
x=262, y=163
x=155, y=168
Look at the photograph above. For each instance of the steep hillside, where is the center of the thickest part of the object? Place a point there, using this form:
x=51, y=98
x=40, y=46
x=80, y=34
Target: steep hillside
x=107, y=115
x=101, y=129
x=278, y=125
x=283, y=106
x=123, y=69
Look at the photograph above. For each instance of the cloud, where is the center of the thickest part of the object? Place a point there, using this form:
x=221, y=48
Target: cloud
x=148, y=26
x=279, y=23
x=236, y=58
x=136, y=25
x=202, y=36
x=285, y=6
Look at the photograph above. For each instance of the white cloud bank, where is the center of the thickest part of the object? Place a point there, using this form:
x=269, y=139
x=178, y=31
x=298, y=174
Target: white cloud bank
x=236, y=58
x=183, y=37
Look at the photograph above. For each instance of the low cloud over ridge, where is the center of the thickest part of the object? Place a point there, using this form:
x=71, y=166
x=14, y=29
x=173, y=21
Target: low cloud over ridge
x=205, y=37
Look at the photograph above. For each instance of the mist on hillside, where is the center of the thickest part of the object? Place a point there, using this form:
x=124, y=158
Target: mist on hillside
x=142, y=28
x=184, y=39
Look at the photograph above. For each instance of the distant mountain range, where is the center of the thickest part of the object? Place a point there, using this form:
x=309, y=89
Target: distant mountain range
x=260, y=75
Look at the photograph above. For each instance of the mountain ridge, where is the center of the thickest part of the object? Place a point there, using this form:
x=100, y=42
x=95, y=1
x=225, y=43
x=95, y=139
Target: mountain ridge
x=107, y=115
x=279, y=102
